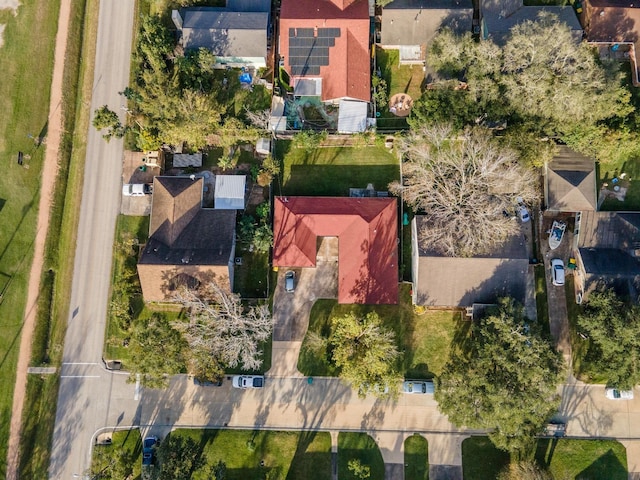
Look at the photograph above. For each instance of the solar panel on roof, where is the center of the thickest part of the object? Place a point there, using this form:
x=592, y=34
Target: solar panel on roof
x=309, y=49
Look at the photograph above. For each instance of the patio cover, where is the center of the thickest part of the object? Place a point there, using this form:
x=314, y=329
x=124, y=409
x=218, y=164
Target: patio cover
x=229, y=192
x=182, y=160
x=352, y=117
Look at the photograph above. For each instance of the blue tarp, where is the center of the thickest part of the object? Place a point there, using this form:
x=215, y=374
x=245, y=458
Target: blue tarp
x=245, y=78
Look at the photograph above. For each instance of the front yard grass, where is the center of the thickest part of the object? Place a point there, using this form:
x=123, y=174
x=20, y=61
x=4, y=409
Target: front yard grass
x=126, y=446
x=285, y=454
x=359, y=446
x=416, y=458
x=565, y=458
x=331, y=171
x=425, y=339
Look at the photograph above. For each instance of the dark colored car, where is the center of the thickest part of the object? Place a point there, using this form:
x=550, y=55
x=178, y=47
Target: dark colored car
x=290, y=281
x=149, y=450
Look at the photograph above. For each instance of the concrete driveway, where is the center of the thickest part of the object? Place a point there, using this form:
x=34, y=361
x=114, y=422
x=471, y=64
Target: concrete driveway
x=291, y=309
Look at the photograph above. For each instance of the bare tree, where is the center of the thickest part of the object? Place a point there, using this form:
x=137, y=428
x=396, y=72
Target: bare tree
x=259, y=119
x=464, y=184
x=221, y=325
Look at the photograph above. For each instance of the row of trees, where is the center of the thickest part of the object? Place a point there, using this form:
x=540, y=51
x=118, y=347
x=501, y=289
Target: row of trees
x=542, y=82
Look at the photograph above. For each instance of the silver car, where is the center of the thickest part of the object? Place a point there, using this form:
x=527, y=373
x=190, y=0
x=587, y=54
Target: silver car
x=290, y=281
x=247, y=381
x=557, y=272
x=420, y=387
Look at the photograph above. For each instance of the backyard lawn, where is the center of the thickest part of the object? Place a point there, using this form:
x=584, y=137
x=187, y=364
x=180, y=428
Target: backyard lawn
x=358, y=446
x=425, y=339
x=565, y=458
x=247, y=454
x=331, y=171
x=251, y=278
x=126, y=447
x=416, y=458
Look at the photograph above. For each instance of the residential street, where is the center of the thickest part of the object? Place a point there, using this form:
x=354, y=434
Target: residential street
x=86, y=390
x=92, y=399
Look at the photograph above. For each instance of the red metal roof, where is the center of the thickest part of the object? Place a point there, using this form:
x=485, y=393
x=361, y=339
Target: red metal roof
x=367, y=231
x=348, y=73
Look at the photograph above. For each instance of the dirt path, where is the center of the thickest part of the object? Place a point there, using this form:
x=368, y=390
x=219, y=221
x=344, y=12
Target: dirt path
x=49, y=173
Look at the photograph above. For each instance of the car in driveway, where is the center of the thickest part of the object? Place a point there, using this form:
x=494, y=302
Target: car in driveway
x=523, y=213
x=290, y=281
x=557, y=272
x=149, y=446
x=615, y=394
x=247, y=381
x=420, y=387
x=136, y=189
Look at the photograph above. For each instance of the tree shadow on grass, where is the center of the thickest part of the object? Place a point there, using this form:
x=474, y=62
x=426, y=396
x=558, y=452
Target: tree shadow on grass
x=605, y=466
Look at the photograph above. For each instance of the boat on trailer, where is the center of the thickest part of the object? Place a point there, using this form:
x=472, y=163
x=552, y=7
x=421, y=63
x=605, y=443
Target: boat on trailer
x=557, y=232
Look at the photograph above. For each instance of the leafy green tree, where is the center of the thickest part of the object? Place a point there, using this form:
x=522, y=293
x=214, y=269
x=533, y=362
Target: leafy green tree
x=358, y=469
x=106, y=119
x=444, y=104
x=263, y=238
x=219, y=470
x=157, y=350
x=112, y=463
x=463, y=183
x=505, y=381
x=246, y=229
x=613, y=329
x=380, y=91
x=179, y=458
x=366, y=353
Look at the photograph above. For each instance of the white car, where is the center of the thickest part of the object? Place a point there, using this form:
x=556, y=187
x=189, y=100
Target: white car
x=557, y=272
x=136, y=189
x=615, y=394
x=418, y=387
x=247, y=381
x=523, y=213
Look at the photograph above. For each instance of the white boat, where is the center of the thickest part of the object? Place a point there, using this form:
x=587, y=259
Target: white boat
x=557, y=232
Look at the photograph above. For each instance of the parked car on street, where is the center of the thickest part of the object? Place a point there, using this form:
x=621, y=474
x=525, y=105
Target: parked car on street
x=247, y=381
x=418, y=387
x=290, y=281
x=149, y=450
x=615, y=394
x=557, y=272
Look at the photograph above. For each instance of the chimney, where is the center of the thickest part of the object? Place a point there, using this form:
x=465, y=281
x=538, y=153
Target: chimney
x=177, y=19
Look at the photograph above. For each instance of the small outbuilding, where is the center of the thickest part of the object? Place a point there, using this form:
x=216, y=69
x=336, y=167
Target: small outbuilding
x=183, y=160
x=352, y=117
x=229, y=192
x=263, y=146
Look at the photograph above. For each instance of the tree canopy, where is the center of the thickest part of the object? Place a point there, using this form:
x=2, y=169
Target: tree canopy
x=541, y=78
x=366, y=354
x=504, y=381
x=463, y=183
x=613, y=331
x=219, y=326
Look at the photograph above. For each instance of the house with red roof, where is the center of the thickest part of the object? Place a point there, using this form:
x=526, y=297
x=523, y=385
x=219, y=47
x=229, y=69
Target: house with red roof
x=367, y=232
x=324, y=46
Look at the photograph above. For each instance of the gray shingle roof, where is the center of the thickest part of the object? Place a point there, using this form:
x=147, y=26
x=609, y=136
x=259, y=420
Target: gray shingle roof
x=571, y=182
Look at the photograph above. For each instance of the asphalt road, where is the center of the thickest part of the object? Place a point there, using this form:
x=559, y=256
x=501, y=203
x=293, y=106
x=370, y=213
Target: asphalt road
x=86, y=390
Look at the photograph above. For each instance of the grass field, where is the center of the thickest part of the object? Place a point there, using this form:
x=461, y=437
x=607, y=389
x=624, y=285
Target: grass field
x=53, y=304
x=331, y=171
x=425, y=339
x=284, y=454
x=362, y=447
x=26, y=61
x=565, y=458
x=126, y=449
x=416, y=458
x=400, y=78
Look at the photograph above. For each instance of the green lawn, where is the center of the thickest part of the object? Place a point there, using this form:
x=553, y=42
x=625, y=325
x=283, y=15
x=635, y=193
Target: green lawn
x=126, y=449
x=565, y=458
x=400, y=78
x=251, y=278
x=425, y=339
x=416, y=458
x=362, y=447
x=294, y=455
x=26, y=61
x=579, y=346
x=331, y=171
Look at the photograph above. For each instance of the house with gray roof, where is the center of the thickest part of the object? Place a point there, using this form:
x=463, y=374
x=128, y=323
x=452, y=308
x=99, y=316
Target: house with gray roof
x=442, y=281
x=410, y=25
x=238, y=34
x=498, y=17
x=607, y=253
x=187, y=244
x=570, y=182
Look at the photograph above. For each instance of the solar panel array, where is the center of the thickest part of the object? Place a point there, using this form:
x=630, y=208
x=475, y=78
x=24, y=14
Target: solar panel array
x=309, y=49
